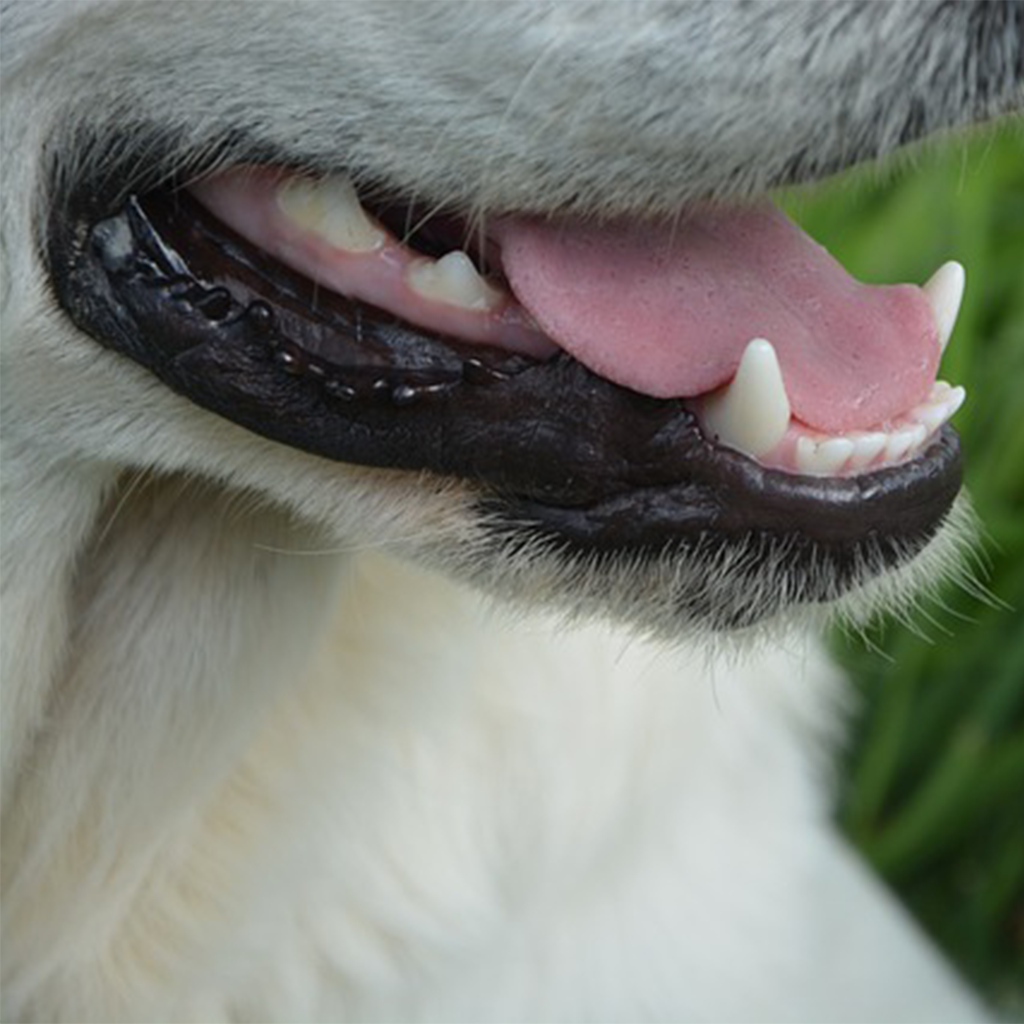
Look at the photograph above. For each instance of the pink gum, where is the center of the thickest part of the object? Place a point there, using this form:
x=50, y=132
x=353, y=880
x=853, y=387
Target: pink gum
x=246, y=200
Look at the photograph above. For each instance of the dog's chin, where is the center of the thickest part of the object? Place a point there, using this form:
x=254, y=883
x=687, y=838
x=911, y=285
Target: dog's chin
x=589, y=495
x=741, y=593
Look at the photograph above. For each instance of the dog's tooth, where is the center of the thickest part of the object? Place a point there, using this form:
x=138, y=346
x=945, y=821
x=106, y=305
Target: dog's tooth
x=806, y=452
x=834, y=453
x=945, y=291
x=454, y=280
x=930, y=415
x=752, y=412
x=942, y=403
x=866, y=448
x=331, y=209
x=902, y=442
x=953, y=400
x=919, y=434
x=897, y=445
x=823, y=458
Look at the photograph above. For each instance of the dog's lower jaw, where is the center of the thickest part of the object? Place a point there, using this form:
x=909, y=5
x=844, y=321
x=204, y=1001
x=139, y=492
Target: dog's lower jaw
x=495, y=803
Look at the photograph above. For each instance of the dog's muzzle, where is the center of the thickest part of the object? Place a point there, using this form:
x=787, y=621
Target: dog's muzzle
x=548, y=443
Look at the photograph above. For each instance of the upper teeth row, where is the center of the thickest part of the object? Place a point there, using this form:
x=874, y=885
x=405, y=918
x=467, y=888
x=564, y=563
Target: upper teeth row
x=455, y=280
x=330, y=208
x=752, y=413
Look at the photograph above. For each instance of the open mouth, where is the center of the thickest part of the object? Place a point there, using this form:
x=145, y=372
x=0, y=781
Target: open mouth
x=661, y=314
x=621, y=386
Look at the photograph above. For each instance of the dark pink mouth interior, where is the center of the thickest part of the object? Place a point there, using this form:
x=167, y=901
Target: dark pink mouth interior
x=664, y=310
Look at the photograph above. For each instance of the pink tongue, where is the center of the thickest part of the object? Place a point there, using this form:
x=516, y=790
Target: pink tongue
x=669, y=311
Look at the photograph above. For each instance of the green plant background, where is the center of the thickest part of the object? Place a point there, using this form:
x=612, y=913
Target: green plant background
x=934, y=792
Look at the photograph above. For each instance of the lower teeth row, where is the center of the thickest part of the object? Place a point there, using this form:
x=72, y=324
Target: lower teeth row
x=804, y=451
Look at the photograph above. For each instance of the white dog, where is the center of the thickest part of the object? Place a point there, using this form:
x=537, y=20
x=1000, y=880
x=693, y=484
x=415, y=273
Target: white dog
x=268, y=751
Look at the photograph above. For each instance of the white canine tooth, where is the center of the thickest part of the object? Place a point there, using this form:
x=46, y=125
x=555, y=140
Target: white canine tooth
x=823, y=458
x=751, y=413
x=453, y=279
x=331, y=209
x=866, y=448
x=945, y=290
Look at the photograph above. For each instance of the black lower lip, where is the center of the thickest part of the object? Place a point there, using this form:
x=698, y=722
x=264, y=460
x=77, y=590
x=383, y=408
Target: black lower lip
x=551, y=445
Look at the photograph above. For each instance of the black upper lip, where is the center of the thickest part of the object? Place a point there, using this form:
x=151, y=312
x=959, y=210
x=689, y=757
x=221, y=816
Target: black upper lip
x=165, y=283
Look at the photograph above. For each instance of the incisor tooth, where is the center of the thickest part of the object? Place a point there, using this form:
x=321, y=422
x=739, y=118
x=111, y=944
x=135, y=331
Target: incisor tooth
x=945, y=291
x=823, y=458
x=453, y=279
x=751, y=413
x=953, y=400
x=930, y=416
x=903, y=442
x=942, y=403
x=866, y=448
x=331, y=209
x=834, y=453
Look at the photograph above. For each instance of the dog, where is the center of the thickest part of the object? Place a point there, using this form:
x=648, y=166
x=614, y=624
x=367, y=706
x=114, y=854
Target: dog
x=435, y=640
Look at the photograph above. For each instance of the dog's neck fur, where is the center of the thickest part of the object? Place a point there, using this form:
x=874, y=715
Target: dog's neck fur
x=188, y=581
x=49, y=510
x=154, y=607
x=213, y=615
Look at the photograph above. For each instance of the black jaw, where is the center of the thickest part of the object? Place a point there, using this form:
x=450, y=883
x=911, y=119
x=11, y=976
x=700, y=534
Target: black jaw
x=550, y=444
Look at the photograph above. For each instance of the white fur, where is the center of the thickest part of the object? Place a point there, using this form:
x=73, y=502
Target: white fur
x=262, y=760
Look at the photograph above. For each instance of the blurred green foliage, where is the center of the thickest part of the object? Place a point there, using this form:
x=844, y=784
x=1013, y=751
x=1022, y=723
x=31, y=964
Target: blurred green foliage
x=934, y=792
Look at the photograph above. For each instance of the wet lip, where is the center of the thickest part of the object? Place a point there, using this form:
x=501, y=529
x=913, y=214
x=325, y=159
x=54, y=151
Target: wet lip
x=548, y=443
